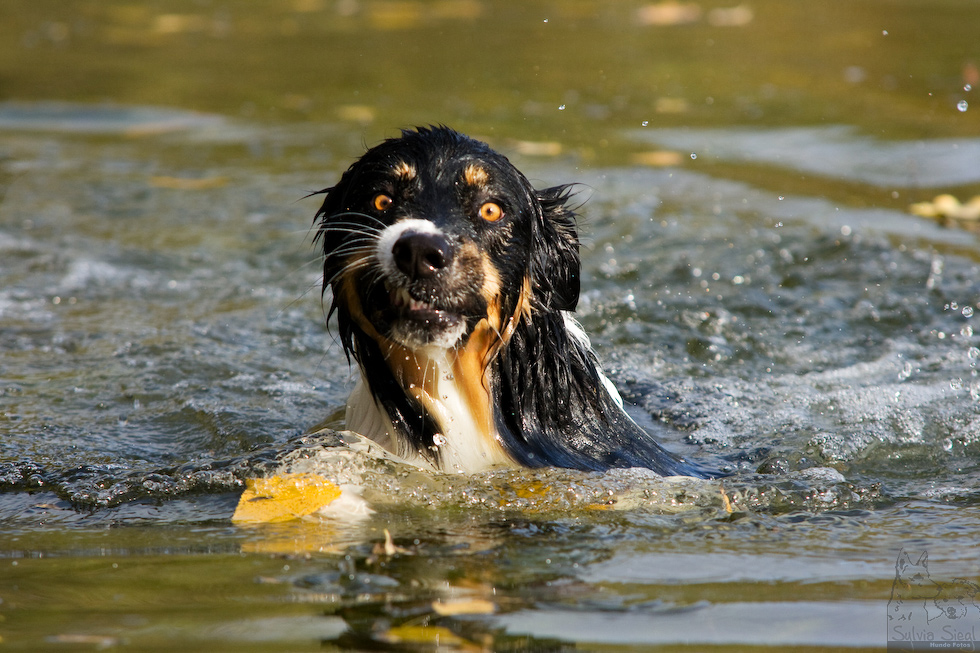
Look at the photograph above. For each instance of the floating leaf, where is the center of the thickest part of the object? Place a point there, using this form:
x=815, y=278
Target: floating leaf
x=422, y=636
x=949, y=207
x=657, y=158
x=466, y=606
x=280, y=498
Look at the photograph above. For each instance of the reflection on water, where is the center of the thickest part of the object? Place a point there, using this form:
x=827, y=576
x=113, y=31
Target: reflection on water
x=769, y=305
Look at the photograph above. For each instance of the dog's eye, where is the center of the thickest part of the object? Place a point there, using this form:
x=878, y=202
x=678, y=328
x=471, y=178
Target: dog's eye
x=491, y=212
x=382, y=202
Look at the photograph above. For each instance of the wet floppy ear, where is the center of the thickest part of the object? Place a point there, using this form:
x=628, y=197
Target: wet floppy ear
x=555, y=265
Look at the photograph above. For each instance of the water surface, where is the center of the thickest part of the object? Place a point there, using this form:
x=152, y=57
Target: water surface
x=753, y=282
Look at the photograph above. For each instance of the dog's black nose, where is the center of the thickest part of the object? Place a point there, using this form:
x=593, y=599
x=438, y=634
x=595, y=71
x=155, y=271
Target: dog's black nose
x=422, y=255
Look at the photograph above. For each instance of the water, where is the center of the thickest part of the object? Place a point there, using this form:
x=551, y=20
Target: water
x=752, y=281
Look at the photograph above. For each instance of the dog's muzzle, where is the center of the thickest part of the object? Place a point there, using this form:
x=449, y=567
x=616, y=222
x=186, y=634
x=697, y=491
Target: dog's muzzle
x=421, y=256
x=430, y=291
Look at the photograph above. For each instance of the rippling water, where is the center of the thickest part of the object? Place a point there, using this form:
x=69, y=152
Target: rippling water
x=761, y=296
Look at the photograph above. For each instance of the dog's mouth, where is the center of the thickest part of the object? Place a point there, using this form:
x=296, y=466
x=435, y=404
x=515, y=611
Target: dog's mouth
x=418, y=322
x=408, y=307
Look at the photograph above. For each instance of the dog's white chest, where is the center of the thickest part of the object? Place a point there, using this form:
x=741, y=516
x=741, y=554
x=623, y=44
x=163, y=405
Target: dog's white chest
x=465, y=443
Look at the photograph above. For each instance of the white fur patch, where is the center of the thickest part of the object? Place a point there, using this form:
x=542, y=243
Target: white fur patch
x=578, y=333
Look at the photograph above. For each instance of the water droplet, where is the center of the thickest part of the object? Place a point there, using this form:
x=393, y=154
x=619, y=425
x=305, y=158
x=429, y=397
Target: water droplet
x=884, y=32
x=968, y=88
x=781, y=198
x=439, y=440
x=966, y=331
x=561, y=108
x=962, y=105
x=973, y=353
x=906, y=371
x=948, y=444
x=693, y=155
x=546, y=20
x=645, y=123
x=956, y=384
x=967, y=311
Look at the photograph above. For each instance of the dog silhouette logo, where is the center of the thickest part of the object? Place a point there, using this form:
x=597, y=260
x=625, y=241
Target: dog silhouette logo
x=929, y=614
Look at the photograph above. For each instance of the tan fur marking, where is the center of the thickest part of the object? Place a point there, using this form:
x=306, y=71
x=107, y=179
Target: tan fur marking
x=474, y=175
x=470, y=373
x=521, y=312
x=491, y=287
x=348, y=291
x=404, y=171
x=410, y=369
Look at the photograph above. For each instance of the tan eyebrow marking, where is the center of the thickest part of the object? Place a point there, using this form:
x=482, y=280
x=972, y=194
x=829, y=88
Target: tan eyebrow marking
x=404, y=171
x=474, y=175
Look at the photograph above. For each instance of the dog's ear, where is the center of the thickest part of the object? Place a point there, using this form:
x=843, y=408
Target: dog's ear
x=555, y=264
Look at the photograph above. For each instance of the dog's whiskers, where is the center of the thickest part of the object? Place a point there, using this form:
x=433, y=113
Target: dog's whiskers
x=351, y=227
x=332, y=219
x=349, y=268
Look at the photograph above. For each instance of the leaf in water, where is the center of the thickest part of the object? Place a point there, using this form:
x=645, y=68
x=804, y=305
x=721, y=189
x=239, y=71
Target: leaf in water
x=422, y=636
x=669, y=12
x=948, y=206
x=467, y=606
x=280, y=498
x=657, y=158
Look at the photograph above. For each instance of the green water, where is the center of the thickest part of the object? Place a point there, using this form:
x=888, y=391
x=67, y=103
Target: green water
x=752, y=280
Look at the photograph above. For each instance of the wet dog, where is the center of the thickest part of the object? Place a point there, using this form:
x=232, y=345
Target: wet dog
x=453, y=281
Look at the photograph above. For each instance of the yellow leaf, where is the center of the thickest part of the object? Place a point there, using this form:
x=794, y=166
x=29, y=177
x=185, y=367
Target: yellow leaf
x=466, y=606
x=657, y=158
x=280, y=498
x=726, y=502
x=422, y=635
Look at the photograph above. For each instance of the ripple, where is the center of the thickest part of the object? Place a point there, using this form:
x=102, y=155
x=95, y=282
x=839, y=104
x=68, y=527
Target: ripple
x=75, y=118
x=837, y=152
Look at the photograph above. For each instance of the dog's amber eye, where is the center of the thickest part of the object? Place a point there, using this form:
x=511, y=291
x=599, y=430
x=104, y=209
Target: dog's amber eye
x=491, y=212
x=382, y=202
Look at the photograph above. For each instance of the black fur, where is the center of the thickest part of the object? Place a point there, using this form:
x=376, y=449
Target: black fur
x=549, y=403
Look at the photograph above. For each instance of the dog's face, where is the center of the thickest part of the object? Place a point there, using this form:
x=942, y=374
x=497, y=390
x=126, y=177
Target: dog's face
x=451, y=278
x=433, y=235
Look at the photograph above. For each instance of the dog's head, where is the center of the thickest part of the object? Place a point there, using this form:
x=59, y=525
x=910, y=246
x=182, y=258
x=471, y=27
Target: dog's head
x=433, y=236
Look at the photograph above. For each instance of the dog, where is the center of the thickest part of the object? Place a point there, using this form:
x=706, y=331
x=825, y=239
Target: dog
x=454, y=281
